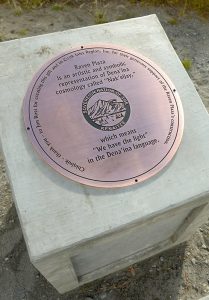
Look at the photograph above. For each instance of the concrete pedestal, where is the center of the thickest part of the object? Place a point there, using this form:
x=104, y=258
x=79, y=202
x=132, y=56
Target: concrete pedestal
x=74, y=233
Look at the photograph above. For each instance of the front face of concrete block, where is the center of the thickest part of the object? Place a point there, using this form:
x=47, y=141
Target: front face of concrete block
x=92, y=260
x=118, y=246
x=111, y=253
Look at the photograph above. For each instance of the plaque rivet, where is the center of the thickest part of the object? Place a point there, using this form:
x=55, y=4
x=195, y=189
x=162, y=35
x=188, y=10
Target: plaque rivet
x=136, y=180
x=81, y=47
x=174, y=90
x=28, y=128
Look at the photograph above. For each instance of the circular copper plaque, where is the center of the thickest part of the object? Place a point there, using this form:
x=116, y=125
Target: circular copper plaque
x=103, y=116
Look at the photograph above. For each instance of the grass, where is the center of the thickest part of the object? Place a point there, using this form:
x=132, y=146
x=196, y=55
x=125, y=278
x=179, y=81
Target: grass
x=2, y=37
x=125, y=15
x=133, y=1
x=29, y=3
x=18, y=11
x=200, y=6
x=187, y=63
x=57, y=7
x=173, y=21
x=26, y=3
x=23, y=32
x=99, y=17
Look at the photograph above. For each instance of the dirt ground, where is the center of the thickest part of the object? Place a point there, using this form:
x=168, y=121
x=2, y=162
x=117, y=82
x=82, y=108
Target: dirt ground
x=180, y=273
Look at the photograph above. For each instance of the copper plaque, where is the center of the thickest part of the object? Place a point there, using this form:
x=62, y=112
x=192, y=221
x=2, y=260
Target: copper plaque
x=103, y=116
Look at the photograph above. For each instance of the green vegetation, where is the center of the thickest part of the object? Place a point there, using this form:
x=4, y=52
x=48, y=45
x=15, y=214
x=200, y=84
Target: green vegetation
x=99, y=13
x=25, y=3
x=133, y=1
x=187, y=63
x=99, y=17
x=200, y=6
x=2, y=37
x=23, y=32
x=18, y=11
x=57, y=7
x=173, y=21
x=28, y=4
x=124, y=16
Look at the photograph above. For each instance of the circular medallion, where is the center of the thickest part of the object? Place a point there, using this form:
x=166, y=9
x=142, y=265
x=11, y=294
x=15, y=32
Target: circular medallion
x=106, y=109
x=103, y=116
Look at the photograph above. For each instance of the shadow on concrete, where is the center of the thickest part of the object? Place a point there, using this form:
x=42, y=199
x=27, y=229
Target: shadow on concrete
x=156, y=278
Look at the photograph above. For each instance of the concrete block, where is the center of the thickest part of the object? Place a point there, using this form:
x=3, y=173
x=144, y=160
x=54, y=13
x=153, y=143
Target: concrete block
x=74, y=233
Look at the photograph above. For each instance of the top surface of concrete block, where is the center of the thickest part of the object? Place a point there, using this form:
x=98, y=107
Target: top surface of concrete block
x=57, y=213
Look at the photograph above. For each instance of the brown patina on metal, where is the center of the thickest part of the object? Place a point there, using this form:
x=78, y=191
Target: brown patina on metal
x=103, y=116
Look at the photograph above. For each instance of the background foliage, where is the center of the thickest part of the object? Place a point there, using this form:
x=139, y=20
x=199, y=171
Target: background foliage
x=201, y=6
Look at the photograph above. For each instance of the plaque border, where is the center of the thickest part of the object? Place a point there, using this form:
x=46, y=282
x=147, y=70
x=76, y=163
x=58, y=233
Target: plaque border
x=94, y=182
